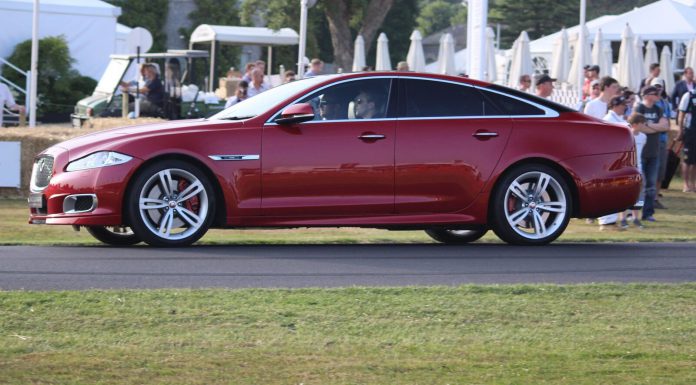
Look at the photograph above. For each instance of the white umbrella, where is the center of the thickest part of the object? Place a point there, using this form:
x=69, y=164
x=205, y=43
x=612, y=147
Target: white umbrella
x=608, y=60
x=690, y=58
x=599, y=54
x=628, y=74
x=491, y=67
x=650, y=56
x=445, y=57
x=581, y=58
x=416, y=57
x=359, y=54
x=560, y=57
x=666, y=71
x=639, y=58
x=383, y=60
x=521, y=63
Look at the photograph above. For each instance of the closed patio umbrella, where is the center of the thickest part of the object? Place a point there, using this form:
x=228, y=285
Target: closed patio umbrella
x=560, y=58
x=650, y=56
x=690, y=58
x=491, y=67
x=599, y=54
x=666, y=71
x=359, y=54
x=639, y=57
x=521, y=63
x=445, y=57
x=628, y=74
x=416, y=57
x=383, y=61
x=608, y=60
x=581, y=58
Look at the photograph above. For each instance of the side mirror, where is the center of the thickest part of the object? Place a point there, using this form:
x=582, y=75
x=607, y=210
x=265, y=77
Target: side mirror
x=297, y=113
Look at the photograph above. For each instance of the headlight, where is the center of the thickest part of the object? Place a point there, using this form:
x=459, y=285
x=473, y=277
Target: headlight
x=98, y=159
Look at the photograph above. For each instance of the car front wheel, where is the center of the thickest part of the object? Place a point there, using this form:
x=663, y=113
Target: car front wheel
x=171, y=203
x=114, y=235
x=531, y=205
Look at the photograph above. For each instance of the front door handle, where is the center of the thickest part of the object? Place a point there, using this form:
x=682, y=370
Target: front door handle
x=371, y=137
x=485, y=135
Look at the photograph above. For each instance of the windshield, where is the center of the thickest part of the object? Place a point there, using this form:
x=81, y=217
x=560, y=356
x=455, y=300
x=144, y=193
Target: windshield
x=113, y=74
x=260, y=103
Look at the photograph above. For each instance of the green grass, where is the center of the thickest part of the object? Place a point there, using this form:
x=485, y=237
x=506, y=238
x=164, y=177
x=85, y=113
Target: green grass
x=521, y=334
x=675, y=224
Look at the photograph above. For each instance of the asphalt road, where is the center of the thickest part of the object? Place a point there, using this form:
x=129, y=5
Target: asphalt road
x=63, y=268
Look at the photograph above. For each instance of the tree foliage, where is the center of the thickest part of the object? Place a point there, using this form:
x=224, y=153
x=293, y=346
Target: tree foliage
x=59, y=86
x=150, y=14
x=440, y=14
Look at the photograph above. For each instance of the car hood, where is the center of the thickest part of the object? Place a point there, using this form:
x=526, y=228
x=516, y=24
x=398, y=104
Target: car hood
x=108, y=139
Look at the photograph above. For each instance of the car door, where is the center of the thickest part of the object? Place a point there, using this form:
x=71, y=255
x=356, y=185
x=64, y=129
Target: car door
x=447, y=146
x=339, y=164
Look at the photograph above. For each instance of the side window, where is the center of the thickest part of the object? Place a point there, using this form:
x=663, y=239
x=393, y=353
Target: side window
x=497, y=104
x=359, y=99
x=428, y=98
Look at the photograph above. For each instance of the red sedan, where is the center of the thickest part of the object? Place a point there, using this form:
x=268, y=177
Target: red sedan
x=452, y=156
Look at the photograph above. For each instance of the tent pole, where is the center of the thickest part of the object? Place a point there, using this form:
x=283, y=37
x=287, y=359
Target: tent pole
x=269, y=65
x=212, y=66
x=34, y=64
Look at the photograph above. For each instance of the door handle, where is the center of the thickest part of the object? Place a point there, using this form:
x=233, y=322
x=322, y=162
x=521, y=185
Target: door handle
x=485, y=135
x=371, y=137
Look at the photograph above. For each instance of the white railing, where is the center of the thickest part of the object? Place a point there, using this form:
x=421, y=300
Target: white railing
x=25, y=91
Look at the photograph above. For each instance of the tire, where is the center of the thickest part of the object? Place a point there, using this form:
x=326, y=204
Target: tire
x=456, y=237
x=531, y=205
x=170, y=203
x=114, y=235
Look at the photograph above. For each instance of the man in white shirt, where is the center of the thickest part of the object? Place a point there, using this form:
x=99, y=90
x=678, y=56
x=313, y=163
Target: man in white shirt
x=257, y=85
x=6, y=99
x=598, y=107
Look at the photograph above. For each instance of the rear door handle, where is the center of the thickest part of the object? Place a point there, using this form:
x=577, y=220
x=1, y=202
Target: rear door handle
x=485, y=135
x=371, y=137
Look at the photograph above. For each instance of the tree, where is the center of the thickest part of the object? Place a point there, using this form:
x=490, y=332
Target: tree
x=398, y=26
x=438, y=15
x=345, y=19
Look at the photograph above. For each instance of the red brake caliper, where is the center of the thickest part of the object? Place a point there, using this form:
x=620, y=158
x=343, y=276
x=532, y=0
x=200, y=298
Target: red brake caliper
x=191, y=204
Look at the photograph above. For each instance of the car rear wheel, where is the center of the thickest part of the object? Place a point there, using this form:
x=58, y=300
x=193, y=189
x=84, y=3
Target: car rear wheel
x=456, y=236
x=531, y=205
x=114, y=235
x=171, y=203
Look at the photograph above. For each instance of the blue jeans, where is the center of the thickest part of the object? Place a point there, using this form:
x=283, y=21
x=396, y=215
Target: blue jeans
x=650, y=171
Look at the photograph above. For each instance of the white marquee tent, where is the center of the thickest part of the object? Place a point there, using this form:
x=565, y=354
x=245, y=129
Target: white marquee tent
x=89, y=27
x=663, y=20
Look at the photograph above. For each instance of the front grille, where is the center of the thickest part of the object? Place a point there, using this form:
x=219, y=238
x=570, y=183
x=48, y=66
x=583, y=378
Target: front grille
x=41, y=173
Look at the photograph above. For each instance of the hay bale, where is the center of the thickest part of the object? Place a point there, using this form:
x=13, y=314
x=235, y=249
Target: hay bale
x=35, y=140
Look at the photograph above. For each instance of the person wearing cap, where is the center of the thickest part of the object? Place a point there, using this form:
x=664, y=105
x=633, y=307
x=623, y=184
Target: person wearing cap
x=598, y=107
x=591, y=74
x=656, y=123
x=544, y=86
x=687, y=135
x=663, y=152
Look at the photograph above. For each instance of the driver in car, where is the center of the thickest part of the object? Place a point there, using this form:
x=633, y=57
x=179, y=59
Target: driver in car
x=330, y=108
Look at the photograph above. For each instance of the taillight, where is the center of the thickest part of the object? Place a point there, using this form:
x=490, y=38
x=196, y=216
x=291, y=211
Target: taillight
x=89, y=111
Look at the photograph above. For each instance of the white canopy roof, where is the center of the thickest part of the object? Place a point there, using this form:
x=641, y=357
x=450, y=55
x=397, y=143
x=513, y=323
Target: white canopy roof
x=70, y=7
x=663, y=20
x=244, y=35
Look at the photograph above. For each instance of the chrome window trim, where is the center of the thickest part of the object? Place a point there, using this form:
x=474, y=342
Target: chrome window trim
x=271, y=122
x=71, y=199
x=234, y=157
x=548, y=112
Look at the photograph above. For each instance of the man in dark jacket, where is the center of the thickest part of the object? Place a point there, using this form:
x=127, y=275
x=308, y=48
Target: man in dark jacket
x=682, y=87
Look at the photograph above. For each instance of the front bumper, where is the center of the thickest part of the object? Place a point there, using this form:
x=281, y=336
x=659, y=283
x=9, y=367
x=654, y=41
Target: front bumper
x=107, y=186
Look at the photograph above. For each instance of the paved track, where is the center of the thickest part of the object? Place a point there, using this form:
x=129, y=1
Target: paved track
x=49, y=268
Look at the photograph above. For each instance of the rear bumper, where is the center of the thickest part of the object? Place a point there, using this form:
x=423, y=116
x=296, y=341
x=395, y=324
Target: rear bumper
x=606, y=183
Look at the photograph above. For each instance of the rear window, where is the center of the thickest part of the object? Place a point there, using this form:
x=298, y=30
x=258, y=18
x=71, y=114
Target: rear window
x=497, y=104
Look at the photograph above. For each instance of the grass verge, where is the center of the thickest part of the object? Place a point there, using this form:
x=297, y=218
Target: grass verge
x=520, y=334
x=675, y=225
